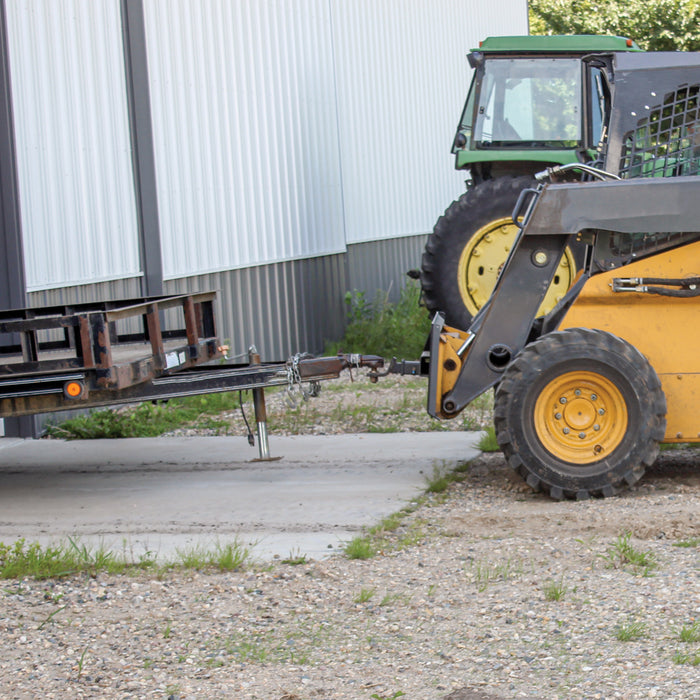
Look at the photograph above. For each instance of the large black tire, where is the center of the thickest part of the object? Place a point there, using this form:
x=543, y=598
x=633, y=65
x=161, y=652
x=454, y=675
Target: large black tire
x=468, y=246
x=580, y=413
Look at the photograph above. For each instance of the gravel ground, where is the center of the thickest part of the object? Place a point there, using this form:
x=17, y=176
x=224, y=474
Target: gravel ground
x=455, y=607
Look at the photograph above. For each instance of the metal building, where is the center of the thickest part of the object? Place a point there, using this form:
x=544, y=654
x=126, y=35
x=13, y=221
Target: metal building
x=282, y=152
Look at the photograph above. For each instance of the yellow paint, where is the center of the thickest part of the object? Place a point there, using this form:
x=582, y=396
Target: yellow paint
x=664, y=329
x=483, y=257
x=580, y=417
x=449, y=364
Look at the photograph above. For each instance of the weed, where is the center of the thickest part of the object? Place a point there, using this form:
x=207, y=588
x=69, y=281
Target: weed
x=228, y=557
x=488, y=441
x=692, y=659
x=384, y=328
x=689, y=543
x=50, y=618
x=690, y=634
x=390, y=598
x=487, y=572
x=295, y=559
x=439, y=481
x=394, y=696
x=630, y=631
x=148, y=419
x=365, y=595
x=81, y=661
x=360, y=548
x=555, y=590
x=622, y=555
x=168, y=629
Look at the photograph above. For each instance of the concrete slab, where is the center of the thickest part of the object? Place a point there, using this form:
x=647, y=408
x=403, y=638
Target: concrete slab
x=166, y=494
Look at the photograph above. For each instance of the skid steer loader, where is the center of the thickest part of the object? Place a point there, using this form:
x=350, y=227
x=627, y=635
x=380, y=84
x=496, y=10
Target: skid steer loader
x=585, y=394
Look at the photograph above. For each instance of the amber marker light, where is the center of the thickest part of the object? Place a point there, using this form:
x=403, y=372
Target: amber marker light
x=73, y=390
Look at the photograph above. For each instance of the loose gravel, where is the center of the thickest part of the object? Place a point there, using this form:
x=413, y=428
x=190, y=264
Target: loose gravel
x=485, y=591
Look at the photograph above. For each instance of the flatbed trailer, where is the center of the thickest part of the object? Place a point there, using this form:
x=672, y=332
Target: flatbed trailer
x=148, y=349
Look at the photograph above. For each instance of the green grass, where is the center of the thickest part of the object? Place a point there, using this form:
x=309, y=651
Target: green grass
x=360, y=547
x=689, y=634
x=691, y=658
x=486, y=572
x=488, y=442
x=365, y=595
x=380, y=327
x=555, y=590
x=149, y=419
x=23, y=560
x=623, y=555
x=630, y=631
x=689, y=543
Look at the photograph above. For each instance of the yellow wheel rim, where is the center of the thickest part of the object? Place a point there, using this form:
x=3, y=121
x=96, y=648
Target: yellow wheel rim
x=580, y=417
x=483, y=256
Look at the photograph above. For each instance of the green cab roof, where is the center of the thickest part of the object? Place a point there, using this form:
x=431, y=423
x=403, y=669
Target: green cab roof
x=579, y=43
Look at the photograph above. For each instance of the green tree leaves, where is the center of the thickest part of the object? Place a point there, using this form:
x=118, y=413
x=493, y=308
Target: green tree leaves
x=656, y=25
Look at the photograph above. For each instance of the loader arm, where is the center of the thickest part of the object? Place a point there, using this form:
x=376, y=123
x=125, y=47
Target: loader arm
x=465, y=364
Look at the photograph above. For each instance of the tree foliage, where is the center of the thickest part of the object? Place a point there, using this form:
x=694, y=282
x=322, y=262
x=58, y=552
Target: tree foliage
x=656, y=25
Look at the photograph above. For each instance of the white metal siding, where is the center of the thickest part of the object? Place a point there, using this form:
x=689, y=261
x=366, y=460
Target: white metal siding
x=245, y=132
x=73, y=146
x=402, y=81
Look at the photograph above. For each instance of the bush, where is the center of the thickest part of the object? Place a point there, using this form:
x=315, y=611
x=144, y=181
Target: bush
x=380, y=327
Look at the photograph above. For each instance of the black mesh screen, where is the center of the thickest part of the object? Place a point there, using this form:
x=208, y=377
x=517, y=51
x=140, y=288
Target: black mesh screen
x=666, y=143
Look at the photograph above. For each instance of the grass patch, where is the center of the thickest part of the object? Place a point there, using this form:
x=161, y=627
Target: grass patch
x=381, y=327
x=692, y=658
x=224, y=557
x=22, y=560
x=485, y=572
x=689, y=634
x=630, y=631
x=149, y=419
x=555, y=590
x=488, y=442
x=623, y=555
x=689, y=543
x=360, y=548
x=365, y=595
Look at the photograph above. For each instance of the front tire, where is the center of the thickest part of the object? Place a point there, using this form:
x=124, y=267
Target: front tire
x=580, y=413
x=468, y=246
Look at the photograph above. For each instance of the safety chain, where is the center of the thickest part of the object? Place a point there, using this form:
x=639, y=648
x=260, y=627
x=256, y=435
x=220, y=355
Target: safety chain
x=294, y=383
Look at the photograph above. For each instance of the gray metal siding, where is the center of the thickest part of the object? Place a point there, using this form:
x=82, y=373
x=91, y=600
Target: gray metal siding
x=382, y=265
x=282, y=308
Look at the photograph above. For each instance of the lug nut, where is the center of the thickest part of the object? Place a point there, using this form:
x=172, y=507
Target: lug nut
x=578, y=392
x=601, y=411
x=562, y=399
x=557, y=416
x=593, y=397
x=566, y=431
x=596, y=427
x=582, y=435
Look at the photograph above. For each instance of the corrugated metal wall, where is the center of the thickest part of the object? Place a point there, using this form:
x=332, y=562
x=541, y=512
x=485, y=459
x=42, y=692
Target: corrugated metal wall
x=246, y=140
x=402, y=81
x=301, y=149
x=73, y=144
x=282, y=308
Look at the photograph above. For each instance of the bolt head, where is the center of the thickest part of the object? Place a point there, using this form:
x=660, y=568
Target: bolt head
x=566, y=431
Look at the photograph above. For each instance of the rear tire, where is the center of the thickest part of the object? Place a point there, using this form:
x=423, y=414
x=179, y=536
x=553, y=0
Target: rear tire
x=468, y=247
x=580, y=413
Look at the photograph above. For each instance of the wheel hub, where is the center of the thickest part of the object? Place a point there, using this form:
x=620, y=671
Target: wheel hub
x=580, y=417
x=482, y=259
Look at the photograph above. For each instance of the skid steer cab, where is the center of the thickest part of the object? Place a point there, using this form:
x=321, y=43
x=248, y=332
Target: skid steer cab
x=585, y=394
